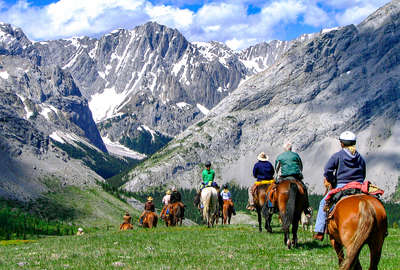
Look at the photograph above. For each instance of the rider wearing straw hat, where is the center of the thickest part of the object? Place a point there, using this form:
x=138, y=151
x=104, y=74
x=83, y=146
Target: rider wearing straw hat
x=263, y=170
x=148, y=206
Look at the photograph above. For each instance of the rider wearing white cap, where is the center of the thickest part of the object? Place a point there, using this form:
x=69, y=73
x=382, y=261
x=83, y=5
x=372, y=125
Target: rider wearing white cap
x=343, y=167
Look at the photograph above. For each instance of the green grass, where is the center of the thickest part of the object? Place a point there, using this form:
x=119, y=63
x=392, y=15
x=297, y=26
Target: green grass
x=92, y=207
x=196, y=247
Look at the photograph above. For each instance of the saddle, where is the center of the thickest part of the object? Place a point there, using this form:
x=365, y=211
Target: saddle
x=352, y=188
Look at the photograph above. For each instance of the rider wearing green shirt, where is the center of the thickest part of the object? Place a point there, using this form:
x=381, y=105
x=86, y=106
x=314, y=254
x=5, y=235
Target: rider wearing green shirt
x=290, y=164
x=208, y=175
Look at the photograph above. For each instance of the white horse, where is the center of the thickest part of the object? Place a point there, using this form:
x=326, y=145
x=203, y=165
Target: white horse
x=209, y=200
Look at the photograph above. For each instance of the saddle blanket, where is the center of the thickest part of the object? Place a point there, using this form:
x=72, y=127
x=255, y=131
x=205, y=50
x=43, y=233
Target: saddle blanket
x=365, y=187
x=264, y=182
x=351, y=188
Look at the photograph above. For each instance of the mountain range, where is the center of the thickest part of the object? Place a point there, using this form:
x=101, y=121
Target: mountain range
x=343, y=79
x=67, y=104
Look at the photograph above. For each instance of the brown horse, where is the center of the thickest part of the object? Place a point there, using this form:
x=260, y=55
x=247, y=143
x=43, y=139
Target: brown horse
x=125, y=227
x=227, y=210
x=150, y=219
x=176, y=213
x=289, y=197
x=357, y=220
x=260, y=202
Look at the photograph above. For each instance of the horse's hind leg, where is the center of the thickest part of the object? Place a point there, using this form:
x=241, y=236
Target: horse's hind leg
x=295, y=227
x=268, y=218
x=375, y=248
x=259, y=218
x=339, y=250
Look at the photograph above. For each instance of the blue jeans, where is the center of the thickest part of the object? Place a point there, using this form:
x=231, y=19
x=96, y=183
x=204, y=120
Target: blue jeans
x=321, y=216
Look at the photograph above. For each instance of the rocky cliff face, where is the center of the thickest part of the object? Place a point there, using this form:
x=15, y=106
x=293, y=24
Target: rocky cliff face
x=36, y=104
x=344, y=79
x=142, y=87
x=151, y=78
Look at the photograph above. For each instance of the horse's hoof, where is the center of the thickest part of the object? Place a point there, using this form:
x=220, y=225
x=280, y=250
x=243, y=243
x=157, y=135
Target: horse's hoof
x=288, y=243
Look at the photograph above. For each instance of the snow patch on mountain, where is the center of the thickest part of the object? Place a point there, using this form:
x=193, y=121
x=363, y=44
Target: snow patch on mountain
x=104, y=105
x=203, y=109
x=56, y=137
x=4, y=75
x=120, y=150
x=47, y=109
x=152, y=132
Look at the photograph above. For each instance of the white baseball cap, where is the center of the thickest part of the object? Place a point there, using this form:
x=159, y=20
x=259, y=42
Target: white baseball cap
x=348, y=136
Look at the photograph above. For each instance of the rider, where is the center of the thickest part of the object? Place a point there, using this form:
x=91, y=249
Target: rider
x=127, y=218
x=165, y=201
x=208, y=176
x=226, y=195
x=291, y=167
x=175, y=196
x=148, y=206
x=263, y=170
x=343, y=167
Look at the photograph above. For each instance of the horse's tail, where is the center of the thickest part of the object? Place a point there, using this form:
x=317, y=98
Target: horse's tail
x=264, y=209
x=290, y=207
x=366, y=219
x=206, y=206
x=268, y=197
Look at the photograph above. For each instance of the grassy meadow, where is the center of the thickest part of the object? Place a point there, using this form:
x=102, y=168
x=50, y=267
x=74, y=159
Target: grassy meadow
x=194, y=247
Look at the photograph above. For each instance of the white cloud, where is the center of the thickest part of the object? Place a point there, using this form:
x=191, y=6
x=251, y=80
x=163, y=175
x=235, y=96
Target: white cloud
x=354, y=15
x=220, y=20
x=316, y=16
x=170, y=16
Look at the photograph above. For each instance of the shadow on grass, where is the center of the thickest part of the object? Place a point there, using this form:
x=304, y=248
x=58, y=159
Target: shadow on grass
x=313, y=245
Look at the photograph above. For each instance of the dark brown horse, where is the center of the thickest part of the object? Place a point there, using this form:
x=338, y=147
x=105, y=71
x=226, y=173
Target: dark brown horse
x=357, y=220
x=150, y=219
x=176, y=213
x=289, y=197
x=227, y=210
x=260, y=202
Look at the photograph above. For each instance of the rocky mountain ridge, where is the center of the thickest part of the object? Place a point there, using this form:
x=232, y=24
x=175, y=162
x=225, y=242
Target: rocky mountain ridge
x=343, y=79
x=142, y=86
x=149, y=84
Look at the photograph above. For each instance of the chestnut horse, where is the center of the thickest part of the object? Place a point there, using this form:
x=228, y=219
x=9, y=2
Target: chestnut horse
x=357, y=220
x=260, y=202
x=150, y=220
x=125, y=227
x=176, y=213
x=289, y=197
x=227, y=210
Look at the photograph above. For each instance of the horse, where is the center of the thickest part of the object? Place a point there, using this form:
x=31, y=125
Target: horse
x=306, y=221
x=357, y=220
x=289, y=197
x=260, y=202
x=209, y=200
x=176, y=213
x=125, y=227
x=227, y=210
x=150, y=220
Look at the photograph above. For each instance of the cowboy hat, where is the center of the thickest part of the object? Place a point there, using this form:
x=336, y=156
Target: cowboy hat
x=168, y=192
x=150, y=198
x=262, y=157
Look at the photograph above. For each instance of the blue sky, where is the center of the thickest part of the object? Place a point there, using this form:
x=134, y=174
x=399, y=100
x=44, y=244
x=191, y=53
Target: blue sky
x=238, y=23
